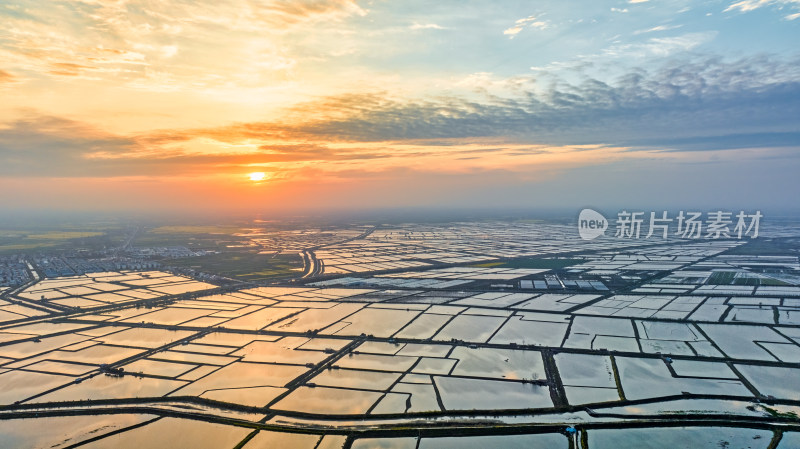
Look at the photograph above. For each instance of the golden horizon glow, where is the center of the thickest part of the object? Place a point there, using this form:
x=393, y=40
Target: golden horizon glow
x=257, y=176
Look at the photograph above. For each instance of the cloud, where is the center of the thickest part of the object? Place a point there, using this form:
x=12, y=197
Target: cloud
x=533, y=22
x=752, y=5
x=692, y=103
x=637, y=1
x=622, y=10
x=164, y=45
x=312, y=8
x=68, y=69
x=661, y=46
x=6, y=77
x=748, y=5
x=731, y=141
x=38, y=146
x=700, y=98
x=658, y=28
x=530, y=22
x=426, y=26
x=47, y=146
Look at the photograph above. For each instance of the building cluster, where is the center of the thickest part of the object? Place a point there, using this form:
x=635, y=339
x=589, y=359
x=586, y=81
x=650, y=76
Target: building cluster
x=165, y=252
x=57, y=266
x=13, y=272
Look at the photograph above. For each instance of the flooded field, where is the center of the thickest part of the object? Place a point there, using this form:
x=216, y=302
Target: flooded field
x=462, y=356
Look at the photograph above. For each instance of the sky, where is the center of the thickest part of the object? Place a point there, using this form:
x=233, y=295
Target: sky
x=169, y=106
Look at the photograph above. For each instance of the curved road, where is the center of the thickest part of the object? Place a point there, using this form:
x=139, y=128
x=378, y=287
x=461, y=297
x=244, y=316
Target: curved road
x=315, y=267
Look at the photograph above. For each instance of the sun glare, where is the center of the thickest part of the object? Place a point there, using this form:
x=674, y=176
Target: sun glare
x=257, y=176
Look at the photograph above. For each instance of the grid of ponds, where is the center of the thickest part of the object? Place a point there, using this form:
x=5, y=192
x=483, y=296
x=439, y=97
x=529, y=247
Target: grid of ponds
x=346, y=365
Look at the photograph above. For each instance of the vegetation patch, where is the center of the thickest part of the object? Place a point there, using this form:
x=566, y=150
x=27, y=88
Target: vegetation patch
x=245, y=266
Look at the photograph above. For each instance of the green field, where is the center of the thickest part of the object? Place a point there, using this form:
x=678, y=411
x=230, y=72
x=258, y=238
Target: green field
x=14, y=241
x=62, y=235
x=721, y=278
x=245, y=266
x=771, y=281
x=194, y=237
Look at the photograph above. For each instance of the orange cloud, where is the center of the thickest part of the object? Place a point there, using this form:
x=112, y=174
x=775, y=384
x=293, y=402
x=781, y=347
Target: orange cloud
x=6, y=77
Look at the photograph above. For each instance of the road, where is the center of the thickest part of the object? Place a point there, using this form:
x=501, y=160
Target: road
x=314, y=267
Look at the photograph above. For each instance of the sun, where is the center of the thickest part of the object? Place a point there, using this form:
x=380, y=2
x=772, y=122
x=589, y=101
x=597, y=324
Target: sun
x=257, y=176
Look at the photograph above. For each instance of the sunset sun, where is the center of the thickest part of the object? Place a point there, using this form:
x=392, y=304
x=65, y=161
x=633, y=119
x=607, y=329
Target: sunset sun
x=257, y=176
